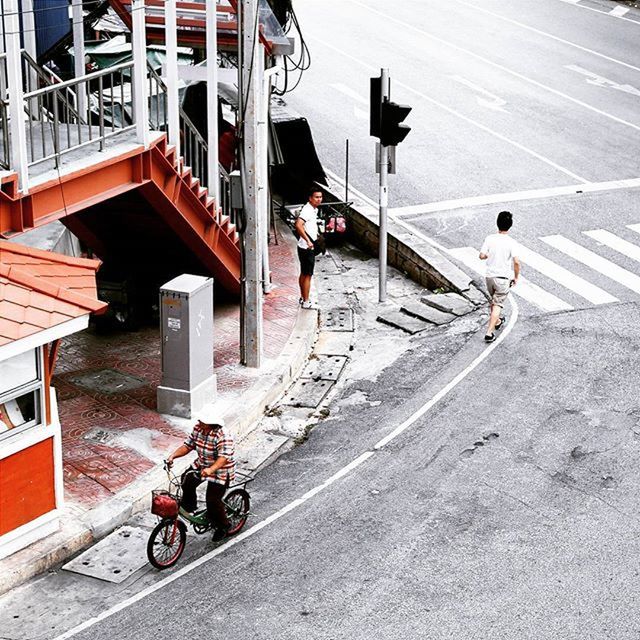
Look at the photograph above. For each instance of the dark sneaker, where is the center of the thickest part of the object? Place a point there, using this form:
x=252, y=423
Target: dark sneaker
x=219, y=534
x=490, y=337
x=501, y=321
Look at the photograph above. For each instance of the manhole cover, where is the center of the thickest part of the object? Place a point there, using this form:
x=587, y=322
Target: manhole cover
x=324, y=367
x=108, y=381
x=115, y=557
x=338, y=319
x=307, y=393
x=100, y=436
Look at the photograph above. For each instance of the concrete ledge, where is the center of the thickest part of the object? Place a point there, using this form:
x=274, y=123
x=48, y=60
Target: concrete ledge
x=407, y=252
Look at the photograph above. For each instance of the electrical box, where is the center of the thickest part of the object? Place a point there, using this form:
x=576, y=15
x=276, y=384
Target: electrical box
x=186, y=317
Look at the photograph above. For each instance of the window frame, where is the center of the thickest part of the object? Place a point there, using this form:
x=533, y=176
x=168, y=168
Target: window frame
x=36, y=386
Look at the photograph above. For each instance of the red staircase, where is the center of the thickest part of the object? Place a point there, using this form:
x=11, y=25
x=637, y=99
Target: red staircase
x=162, y=181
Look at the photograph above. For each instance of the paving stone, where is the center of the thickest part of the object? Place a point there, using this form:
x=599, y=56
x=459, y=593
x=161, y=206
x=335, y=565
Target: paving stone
x=307, y=393
x=108, y=381
x=427, y=313
x=325, y=367
x=338, y=319
x=448, y=302
x=402, y=321
x=476, y=296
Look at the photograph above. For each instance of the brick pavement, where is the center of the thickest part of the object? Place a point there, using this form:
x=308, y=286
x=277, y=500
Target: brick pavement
x=107, y=432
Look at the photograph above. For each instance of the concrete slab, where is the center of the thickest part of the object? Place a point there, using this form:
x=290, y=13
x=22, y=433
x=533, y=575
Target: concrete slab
x=324, y=367
x=449, y=303
x=307, y=393
x=259, y=448
x=400, y=320
x=338, y=319
x=427, y=313
x=114, y=558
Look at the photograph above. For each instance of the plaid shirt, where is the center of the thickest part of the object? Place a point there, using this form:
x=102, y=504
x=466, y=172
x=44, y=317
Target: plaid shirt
x=211, y=444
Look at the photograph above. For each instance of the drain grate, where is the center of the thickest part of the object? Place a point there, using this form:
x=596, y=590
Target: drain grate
x=324, y=367
x=114, y=558
x=307, y=393
x=338, y=319
x=108, y=381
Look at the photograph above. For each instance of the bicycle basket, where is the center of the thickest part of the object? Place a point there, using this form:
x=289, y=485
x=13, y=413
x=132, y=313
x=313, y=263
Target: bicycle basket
x=164, y=504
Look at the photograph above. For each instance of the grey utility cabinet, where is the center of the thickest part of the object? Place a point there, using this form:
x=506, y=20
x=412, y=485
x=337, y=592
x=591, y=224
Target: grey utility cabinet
x=186, y=324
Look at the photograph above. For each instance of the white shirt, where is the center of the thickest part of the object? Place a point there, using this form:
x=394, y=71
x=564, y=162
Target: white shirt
x=501, y=250
x=309, y=215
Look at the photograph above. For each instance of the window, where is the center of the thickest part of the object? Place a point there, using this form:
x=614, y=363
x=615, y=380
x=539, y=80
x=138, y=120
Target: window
x=20, y=392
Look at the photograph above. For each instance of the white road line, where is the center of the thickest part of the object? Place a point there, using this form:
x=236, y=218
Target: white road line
x=616, y=243
x=619, y=11
x=634, y=227
x=525, y=289
x=348, y=91
x=563, y=276
x=440, y=105
x=596, y=262
x=548, y=35
x=517, y=196
x=540, y=85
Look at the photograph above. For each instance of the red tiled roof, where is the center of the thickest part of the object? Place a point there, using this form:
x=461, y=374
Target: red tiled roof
x=40, y=289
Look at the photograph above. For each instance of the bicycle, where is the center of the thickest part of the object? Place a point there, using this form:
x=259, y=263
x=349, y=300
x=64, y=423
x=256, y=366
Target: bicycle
x=168, y=538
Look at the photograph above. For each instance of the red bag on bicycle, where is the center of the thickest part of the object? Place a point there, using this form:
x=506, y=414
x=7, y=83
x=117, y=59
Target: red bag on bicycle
x=163, y=504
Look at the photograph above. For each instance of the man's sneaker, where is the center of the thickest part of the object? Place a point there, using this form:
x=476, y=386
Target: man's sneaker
x=500, y=323
x=307, y=304
x=219, y=534
x=300, y=301
x=490, y=337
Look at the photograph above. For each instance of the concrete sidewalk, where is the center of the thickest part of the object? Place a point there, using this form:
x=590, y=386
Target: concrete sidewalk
x=114, y=441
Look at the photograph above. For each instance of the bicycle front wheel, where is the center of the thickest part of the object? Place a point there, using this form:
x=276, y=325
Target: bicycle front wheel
x=166, y=543
x=237, y=503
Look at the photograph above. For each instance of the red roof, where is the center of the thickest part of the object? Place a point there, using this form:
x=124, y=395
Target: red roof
x=40, y=289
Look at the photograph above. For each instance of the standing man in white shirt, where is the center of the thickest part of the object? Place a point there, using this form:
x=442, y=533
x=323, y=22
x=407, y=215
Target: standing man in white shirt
x=307, y=229
x=503, y=270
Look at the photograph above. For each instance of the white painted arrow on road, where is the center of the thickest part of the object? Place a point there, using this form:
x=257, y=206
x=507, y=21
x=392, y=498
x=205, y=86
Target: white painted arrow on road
x=600, y=81
x=494, y=101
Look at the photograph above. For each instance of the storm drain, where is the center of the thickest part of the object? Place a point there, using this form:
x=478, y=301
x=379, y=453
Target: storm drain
x=114, y=558
x=338, y=319
x=108, y=381
x=315, y=382
x=307, y=393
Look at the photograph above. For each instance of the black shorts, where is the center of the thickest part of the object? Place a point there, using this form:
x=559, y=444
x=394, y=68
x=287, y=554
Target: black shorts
x=307, y=261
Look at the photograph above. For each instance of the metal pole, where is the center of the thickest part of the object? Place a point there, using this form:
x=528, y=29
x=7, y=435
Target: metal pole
x=213, y=172
x=173, y=104
x=346, y=171
x=78, y=54
x=384, y=200
x=251, y=89
x=140, y=86
x=19, y=159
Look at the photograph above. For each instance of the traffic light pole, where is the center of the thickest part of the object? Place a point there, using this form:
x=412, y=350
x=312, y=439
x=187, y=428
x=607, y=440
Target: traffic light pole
x=383, y=200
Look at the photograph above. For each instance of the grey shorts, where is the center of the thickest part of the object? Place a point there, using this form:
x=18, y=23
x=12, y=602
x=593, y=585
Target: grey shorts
x=498, y=289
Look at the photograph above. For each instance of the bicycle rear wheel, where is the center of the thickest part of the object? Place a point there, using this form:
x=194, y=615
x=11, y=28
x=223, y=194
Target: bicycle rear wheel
x=166, y=543
x=237, y=504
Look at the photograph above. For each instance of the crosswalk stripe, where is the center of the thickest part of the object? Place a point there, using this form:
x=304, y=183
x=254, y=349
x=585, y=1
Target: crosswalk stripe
x=525, y=289
x=563, y=276
x=596, y=262
x=616, y=243
x=634, y=227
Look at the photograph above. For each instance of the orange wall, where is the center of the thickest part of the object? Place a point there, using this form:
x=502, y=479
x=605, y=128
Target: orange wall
x=26, y=485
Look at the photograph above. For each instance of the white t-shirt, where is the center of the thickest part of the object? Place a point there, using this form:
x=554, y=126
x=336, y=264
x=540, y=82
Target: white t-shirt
x=309, y=215
x=501, y=250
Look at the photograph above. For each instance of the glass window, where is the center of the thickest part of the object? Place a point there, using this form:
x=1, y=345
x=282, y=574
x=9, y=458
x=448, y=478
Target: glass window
x=19, y=412
x=18, y=371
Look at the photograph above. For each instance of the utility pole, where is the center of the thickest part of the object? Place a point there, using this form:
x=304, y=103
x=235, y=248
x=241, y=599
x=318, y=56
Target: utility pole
x=213, y=173
x=173, y=101
x=139, y=50
x=78, y=56
x=248, y=107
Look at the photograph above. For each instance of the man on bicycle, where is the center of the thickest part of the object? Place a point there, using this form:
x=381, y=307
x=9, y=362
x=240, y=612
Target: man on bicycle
x=215, y=463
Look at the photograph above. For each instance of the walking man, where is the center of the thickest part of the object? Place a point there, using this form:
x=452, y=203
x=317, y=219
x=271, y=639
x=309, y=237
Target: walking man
x=503, y=269
x=307, y=229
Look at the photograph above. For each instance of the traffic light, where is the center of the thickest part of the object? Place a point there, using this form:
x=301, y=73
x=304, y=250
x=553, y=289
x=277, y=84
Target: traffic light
x=391, y=132
x=375, y=103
